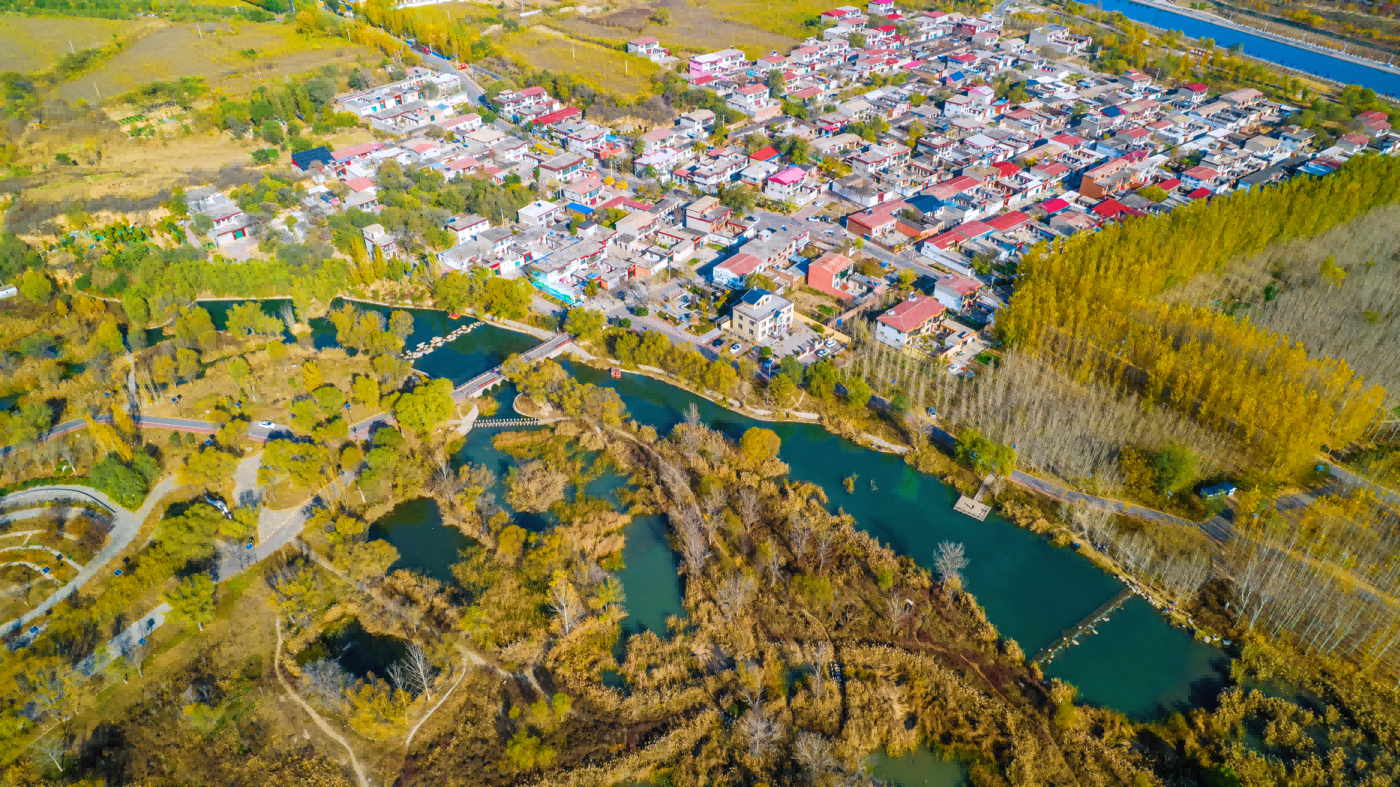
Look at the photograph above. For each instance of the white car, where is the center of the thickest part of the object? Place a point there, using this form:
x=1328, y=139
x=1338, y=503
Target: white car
x=266, y=424
x=736, y=347
x=830, y=342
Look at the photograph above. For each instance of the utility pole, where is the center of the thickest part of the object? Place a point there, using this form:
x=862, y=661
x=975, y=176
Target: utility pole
x=70, y=47
x=201, y=32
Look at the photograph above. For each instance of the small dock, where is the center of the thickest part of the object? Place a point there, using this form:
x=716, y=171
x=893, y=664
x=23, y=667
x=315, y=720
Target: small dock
x=1073, y=634
x=973, y=506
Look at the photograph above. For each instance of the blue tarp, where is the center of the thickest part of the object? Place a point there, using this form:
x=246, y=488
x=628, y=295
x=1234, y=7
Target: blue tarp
x=574, y=206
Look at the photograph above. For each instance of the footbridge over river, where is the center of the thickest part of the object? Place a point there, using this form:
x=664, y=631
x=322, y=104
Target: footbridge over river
x=1071, y=636
x=490, y=379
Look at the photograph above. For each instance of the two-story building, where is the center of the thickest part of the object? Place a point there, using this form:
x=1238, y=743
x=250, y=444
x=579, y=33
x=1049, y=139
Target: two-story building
x=761, y=316
x=649, y=48
x=907, y=320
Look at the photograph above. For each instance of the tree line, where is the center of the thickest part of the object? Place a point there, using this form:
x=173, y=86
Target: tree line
x=1092, y=305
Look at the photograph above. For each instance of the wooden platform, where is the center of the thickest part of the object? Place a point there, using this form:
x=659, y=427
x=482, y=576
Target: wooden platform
x=973, y=506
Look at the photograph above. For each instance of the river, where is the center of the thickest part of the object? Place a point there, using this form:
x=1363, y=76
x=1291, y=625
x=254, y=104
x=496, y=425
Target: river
x=1030, y=589
x=1311, y=61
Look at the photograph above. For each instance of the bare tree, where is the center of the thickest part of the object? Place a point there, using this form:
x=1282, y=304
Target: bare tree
x=799, y=537
x=50, y=748
x=826, y=543
x=820, y=656
x=734, y=594
x=949, y=560
x=327, y=681
x=772, y=563
x=420, y=670
x=760, y=733
x=288, y=315
x=565, y=602
x=694, y=541
x=897, y=610
x=813, y=753
x=135, y=651
x=746, y=503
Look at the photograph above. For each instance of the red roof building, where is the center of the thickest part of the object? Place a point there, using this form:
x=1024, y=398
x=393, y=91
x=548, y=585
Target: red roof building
x=829, y=273
x=908, y=320
x=545, y=121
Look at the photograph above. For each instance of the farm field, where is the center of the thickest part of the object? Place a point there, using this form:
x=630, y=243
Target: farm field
x=692, y=27
x=541, y=48
x=177, y=51
x=780, y=17
x=33, y=44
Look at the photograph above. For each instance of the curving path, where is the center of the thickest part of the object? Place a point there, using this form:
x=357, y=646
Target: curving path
x=125, y=525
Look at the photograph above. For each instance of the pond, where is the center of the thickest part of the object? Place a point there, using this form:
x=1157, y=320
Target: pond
x=924, y=767
x=358, y=651
x=219, y=310
x=463, y=358
x=425, y=544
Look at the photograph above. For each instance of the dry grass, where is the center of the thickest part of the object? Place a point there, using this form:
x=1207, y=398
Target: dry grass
x=607, y=70
x=177, y=50
x=780, y=17
x=33, y=44
x=692, y=28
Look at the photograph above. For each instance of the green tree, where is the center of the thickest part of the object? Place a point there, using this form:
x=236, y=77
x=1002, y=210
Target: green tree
x=366, y=390
x=35, y=286
x=984, y=455
x=193, y=599
x=584, y=323
x=425, y=406
x=1175, y=468
x=858, y=393
x=822, y=378
x=401, y=324
x=121, y=483
x=330, y=399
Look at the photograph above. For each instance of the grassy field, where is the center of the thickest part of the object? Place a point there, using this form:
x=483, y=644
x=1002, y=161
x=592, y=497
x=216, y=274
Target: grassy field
x=33, y=44
x=178, y=50
x=608, y=70
x=692, y=27
x=780, y=17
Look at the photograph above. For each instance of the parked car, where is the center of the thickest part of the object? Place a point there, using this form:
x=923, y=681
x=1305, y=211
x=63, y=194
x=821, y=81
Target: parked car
x=735, y=347
x=266, y=424
x=822, y=353
x=830, y=342
x=717, y=343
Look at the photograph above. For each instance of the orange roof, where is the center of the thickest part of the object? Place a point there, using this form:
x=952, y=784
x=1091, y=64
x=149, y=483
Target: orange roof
x=910, y=315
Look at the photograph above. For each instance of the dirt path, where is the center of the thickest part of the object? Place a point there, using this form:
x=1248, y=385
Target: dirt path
x=321, y=723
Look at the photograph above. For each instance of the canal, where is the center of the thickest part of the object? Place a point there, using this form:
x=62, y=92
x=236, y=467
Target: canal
x=1307, y=60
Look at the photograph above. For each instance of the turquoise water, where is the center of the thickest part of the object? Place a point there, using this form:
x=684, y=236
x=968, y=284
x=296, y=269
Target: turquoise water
x=424, y=543
x=1031, y=590
x=923, y=768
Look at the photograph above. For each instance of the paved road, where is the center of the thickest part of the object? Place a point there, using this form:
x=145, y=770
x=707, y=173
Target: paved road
x=125, y=525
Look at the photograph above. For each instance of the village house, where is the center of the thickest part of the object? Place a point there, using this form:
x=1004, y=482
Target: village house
x=760, y=316
x=376, y=237
x=830, y=274
x=467, y=228
x=956, y=292
x=907, y=320
x=649, y=48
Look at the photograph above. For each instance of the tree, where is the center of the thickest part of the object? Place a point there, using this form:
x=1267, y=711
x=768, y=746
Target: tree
x=858, y=393
x=366, y=391
x=35, y=286
x=534, y=486
x=426, y=406
x=330, y=399
x=585, y=323
x=856, y=40
x=739, y=198
x=564, y=602
x=984, y=455
x=1175, y=468
x=949, y=561
x=194, y=328
x=311, y=375
x=209, y=467
x=791, y=368
x=51, y=749
x=759, y=446
x=186, y=364
x=821, y=379
x=401, y=324
x=193, y=599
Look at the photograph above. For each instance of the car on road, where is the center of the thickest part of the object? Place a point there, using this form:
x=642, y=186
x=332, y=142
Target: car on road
x=266, y=424
x=735, y=347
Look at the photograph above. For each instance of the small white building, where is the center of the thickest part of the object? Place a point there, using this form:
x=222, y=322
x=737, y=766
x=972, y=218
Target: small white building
x=538, y=213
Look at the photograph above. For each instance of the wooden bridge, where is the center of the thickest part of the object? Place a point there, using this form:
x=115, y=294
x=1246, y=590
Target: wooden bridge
x=1072, y=634
x=490, y=379
x=973, y=506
